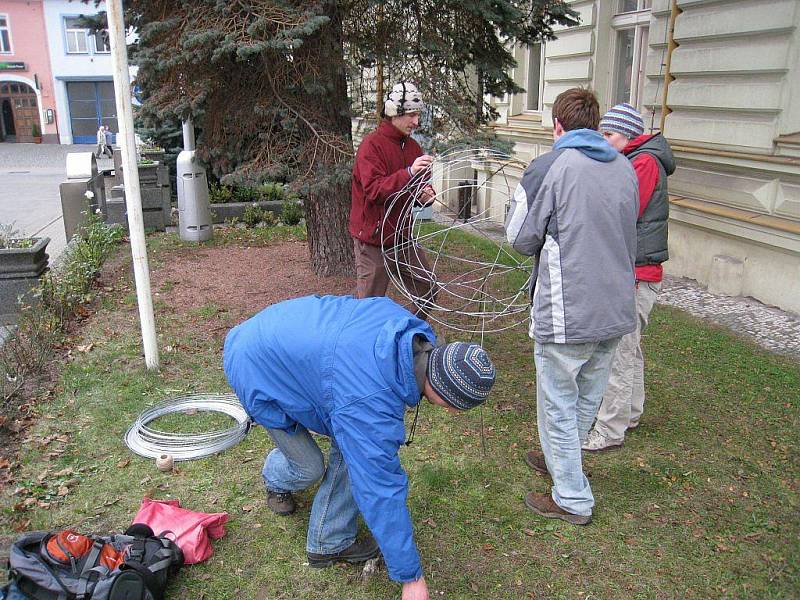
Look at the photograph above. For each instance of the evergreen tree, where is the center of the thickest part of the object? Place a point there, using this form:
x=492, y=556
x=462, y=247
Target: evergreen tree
x=265, y=81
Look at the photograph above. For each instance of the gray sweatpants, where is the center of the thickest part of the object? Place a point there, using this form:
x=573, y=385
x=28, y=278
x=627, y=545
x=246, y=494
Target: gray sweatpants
x=623, y=402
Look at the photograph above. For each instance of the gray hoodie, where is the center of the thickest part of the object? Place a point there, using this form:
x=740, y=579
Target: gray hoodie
x=575, y=210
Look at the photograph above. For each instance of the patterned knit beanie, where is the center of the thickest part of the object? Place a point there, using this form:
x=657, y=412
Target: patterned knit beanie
x=624, y=119
x=404, y=98
x=461, y=373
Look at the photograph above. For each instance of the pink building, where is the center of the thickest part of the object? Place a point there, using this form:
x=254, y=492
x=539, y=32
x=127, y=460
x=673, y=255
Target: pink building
x=26, y=81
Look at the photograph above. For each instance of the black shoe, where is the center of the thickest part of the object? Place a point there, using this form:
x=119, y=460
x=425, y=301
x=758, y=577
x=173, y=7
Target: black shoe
x=358, y=552
x=281, y=503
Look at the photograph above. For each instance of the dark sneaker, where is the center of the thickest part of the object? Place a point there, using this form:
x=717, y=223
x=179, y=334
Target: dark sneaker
x=544, y=505
x=358, y=552
x=535, y=460
x=281, y=503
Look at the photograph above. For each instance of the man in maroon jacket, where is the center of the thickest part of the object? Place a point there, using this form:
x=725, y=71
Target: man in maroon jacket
x=386, y=161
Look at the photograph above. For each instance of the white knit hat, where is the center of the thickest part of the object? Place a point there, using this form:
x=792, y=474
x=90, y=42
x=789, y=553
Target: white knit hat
x=404, y=98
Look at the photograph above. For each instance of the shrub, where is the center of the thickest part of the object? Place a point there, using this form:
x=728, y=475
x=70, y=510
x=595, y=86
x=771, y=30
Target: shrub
x=271, y=191
x=36, y=129
x=60, y=292
x=292, y=212
x=11, y=238
x=219, y=194
x=255, y=215
x=245, y=194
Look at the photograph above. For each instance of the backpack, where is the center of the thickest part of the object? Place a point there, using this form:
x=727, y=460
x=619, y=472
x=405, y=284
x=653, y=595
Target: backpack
x=66, y=565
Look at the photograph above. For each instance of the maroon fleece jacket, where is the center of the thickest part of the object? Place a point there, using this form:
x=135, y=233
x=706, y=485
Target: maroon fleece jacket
x=381, y=169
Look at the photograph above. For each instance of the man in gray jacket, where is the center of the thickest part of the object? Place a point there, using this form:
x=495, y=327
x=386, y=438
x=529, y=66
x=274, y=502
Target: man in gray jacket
x=575, y=210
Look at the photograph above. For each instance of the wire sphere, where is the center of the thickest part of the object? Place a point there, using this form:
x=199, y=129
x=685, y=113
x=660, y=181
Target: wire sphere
x=480, y=283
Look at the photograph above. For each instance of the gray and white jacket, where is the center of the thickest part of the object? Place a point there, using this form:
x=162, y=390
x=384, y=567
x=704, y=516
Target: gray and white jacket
x=575, y=210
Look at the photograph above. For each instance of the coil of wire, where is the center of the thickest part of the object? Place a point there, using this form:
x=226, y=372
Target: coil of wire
x=151, y=443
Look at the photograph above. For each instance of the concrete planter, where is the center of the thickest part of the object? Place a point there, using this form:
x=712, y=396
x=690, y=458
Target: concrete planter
x=20, y=269
x=235, y=210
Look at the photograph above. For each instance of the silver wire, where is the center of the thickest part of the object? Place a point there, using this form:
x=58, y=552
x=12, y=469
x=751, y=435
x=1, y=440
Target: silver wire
x=466, y=300
x=152, y=443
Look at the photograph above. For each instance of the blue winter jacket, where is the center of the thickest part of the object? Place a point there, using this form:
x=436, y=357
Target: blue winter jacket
x=343, y=368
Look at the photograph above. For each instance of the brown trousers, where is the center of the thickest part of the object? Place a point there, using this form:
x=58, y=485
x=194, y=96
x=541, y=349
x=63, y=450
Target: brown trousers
x=415, y=272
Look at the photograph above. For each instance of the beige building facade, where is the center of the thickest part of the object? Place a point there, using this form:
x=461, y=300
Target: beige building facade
x=731, y=72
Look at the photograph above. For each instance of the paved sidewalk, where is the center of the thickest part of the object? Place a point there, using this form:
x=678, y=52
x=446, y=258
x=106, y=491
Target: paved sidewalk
x=771, y=328
x=30, y=175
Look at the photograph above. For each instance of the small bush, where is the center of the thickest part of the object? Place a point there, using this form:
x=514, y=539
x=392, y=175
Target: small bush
x=292, y=212
x=245, y=194
x=11, y=238
x=255, y=216
x=219, y=194
x=271, y=191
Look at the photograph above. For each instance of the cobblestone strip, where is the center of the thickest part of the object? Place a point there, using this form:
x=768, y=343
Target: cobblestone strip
x=769, y=327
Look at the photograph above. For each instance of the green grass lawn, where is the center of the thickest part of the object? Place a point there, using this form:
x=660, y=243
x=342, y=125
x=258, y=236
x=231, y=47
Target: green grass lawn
x=702, y=501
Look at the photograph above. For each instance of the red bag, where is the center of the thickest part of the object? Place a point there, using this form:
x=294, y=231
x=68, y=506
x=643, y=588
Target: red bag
x=191, y=530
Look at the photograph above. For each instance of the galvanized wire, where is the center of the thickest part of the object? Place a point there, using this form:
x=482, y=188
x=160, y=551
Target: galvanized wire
x=473, y=295
x=152, y=443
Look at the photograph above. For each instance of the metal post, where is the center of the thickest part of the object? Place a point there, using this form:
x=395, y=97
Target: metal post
x=133, y=197
x=188, y=135
x=671, y=45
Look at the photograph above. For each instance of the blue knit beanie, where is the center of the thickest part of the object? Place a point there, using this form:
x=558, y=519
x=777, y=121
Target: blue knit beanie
x=461, y=373
x=624, y=119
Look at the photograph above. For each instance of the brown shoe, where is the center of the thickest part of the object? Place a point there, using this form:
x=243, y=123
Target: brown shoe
x=544, y=505
x=535, y=460
x=281, y=503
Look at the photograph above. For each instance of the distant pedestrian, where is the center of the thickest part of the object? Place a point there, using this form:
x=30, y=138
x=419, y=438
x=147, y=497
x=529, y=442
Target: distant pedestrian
x=651, y=157
x=102, y=143
x=109, y=141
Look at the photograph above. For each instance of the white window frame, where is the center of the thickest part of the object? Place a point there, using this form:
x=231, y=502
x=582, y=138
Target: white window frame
x=7, y=29
x=94, y=42
x=638, y=21
x=76, y=31
x=540, y=104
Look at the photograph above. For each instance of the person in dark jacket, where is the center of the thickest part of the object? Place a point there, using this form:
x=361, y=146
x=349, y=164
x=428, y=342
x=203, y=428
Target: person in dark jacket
x=387, y=160
x=651, y=157
x=575, y=211
x=348, y=369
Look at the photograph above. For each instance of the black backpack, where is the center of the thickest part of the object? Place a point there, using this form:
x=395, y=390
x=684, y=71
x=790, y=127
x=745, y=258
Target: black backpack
x=147, y=562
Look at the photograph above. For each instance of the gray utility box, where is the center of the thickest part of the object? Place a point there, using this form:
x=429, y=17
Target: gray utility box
x=155, y=191
x=20, y=269
x=116, y=211
x=76, y=204
x=194, y=213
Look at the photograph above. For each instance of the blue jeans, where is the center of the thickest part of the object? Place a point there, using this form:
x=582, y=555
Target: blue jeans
x=570, y=382
x=297, y=463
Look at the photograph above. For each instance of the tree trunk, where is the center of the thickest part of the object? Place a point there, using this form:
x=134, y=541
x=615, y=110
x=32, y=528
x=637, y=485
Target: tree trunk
x=328, y=206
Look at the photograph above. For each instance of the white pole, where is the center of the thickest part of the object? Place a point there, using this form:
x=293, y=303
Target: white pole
x=133, y=196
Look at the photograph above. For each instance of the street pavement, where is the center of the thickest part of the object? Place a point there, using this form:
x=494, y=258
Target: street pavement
x=29, y=196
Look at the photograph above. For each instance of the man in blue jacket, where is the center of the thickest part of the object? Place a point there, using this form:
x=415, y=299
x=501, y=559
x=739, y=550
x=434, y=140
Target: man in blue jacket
x=348, y=369
x=574, y=210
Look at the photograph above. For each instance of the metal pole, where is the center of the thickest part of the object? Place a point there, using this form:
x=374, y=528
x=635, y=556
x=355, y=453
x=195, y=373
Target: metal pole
x=133, y=196
x=188, y=135
x=671, y=45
